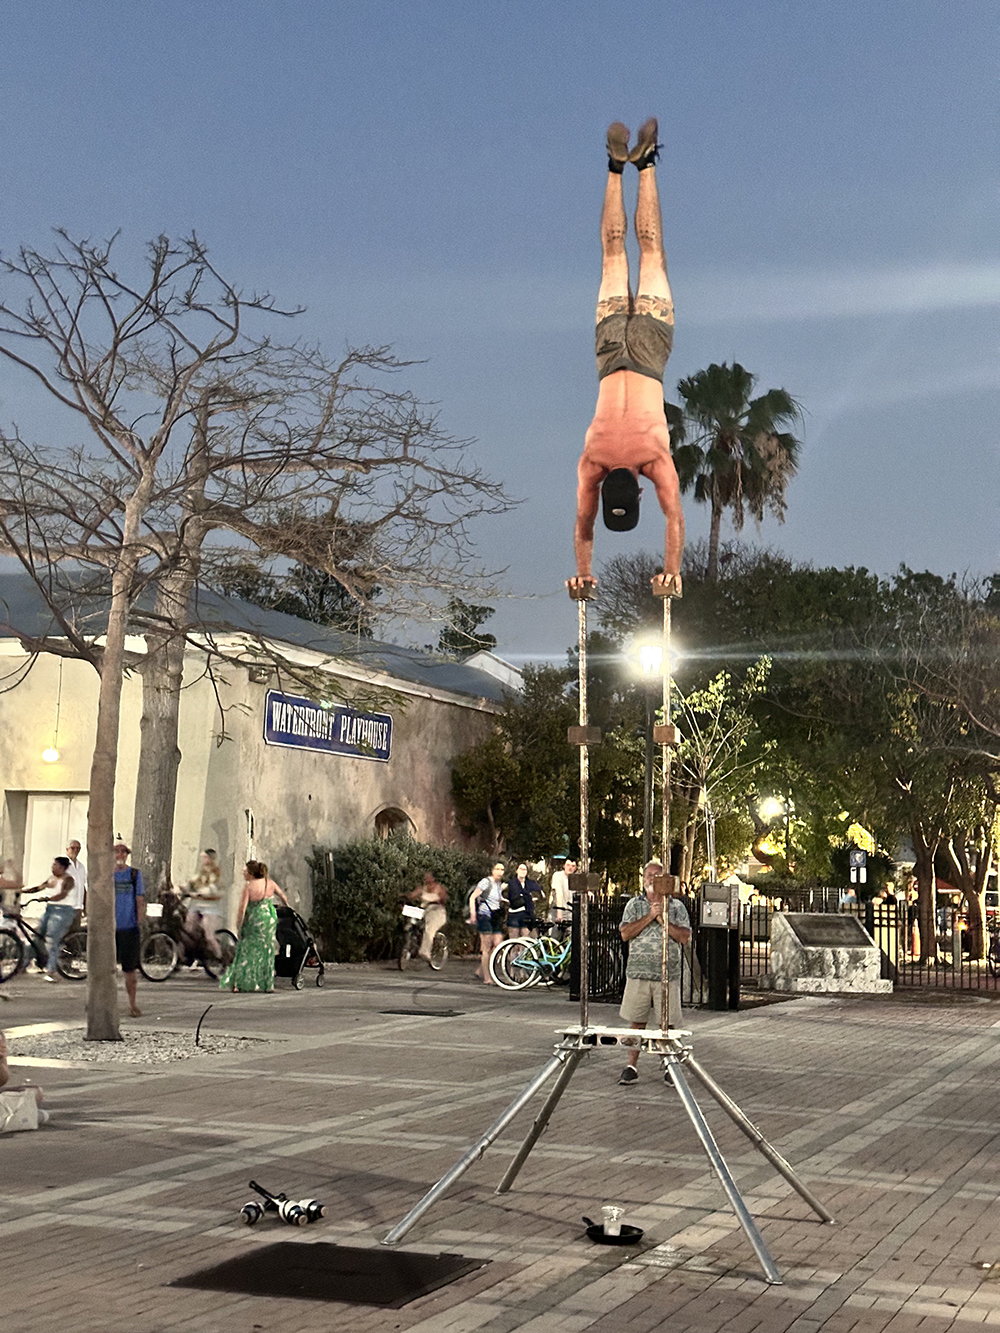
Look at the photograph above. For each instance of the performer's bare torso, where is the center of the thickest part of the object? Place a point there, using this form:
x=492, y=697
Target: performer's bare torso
x=629, y=428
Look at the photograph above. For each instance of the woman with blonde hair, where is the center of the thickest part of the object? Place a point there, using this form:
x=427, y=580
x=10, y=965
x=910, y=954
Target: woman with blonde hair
x=256, y=920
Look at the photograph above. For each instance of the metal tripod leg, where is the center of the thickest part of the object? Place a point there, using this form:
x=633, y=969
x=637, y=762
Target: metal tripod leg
x=476, y=1151
x=541, y=1120
x=722, y=1171
x=757, y=1139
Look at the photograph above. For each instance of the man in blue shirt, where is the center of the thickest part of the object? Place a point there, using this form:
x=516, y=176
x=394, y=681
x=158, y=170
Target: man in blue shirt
x=130, y=912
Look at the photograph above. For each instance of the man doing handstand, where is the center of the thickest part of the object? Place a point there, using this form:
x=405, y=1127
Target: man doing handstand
x=628, y=436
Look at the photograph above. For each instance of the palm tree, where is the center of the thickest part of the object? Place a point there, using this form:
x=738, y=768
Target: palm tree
x=733, y=450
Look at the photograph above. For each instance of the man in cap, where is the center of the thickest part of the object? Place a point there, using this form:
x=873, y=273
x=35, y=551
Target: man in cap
x=628, y=436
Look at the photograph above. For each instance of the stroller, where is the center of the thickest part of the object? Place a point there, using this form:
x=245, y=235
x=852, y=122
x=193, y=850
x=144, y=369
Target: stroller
x=296, y=948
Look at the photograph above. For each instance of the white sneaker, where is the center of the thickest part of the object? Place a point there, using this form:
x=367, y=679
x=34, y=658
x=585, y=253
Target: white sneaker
x=49, y=976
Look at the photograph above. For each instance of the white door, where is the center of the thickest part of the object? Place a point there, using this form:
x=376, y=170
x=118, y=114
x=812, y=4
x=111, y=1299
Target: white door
x=52, y=821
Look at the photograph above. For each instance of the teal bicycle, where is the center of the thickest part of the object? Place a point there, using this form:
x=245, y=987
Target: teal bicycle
x=523, y=962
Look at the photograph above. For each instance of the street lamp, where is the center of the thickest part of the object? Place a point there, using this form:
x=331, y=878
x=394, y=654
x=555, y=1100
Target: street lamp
x=772, y=808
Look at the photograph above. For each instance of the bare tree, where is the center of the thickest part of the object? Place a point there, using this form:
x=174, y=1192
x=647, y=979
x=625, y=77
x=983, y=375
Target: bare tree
x=204, y=440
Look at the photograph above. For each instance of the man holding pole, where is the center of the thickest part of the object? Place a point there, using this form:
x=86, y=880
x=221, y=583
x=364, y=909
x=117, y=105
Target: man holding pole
x=642, y=930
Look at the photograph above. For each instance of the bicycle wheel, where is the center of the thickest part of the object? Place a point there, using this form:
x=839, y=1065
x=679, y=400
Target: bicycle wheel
x=439, y=951
x=406, y=950
x=514, y=964
x=158, y=957
x=11, y=955
x=72, y=961
x=226, y=941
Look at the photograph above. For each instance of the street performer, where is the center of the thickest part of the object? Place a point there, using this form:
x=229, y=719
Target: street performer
x=628, y=436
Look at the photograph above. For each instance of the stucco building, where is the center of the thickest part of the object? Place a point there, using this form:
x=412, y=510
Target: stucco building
x=267, y=769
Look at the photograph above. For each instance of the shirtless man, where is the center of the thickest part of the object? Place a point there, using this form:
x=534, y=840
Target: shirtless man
x=628, y=436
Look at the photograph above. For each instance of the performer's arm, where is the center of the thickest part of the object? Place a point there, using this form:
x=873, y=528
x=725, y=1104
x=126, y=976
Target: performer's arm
x=588, y=498
x=668, y=492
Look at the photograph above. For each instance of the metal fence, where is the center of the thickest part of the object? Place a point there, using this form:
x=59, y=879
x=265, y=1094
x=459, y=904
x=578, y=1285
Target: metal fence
x=891, y=925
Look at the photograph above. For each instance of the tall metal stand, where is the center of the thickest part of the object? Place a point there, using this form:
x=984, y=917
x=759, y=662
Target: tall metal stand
x=578, y=1042
x=675, y=1052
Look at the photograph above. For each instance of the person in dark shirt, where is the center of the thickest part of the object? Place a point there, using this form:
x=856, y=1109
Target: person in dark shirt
x=521, y=894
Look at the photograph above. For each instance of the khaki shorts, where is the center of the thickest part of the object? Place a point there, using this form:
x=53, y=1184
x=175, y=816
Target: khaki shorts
x=641, y=1001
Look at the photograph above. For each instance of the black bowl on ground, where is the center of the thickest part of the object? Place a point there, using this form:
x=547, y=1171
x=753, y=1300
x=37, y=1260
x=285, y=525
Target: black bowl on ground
x=629, y=1235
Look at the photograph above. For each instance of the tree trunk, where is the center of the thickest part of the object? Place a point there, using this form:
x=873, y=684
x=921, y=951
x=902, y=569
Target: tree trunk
x=102, y=986
x=970, y=867
x=712, y=569
x=159, y=753
x=924, y=847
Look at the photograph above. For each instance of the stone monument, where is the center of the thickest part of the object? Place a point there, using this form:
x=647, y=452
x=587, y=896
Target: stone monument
x=818, y=953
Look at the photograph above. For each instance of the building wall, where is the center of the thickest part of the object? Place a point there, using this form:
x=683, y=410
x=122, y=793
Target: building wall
x=298, y=799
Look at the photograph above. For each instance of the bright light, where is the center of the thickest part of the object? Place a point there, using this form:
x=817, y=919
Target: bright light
x=650, y=658
x=51, y=755
x=771, y=808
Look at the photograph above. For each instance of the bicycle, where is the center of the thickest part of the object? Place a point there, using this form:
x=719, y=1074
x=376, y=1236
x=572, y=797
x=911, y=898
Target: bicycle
x=20, y=938
x=164, y=949
x=412, y=933
x=519, y=963
x=993, y=953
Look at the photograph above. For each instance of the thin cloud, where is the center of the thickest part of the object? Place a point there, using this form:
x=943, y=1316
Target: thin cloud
x=787, y=295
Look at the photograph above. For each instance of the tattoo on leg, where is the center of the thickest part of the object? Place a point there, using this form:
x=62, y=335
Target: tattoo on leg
x=660, y=307
x=613, y=305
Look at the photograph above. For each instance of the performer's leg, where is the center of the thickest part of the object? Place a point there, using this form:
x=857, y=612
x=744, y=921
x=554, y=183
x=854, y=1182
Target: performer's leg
x=613, y=297
x=653, y=282
x=649, y=229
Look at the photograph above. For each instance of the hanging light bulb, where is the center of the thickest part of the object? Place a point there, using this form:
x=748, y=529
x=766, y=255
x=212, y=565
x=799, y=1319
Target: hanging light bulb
x=51, y=755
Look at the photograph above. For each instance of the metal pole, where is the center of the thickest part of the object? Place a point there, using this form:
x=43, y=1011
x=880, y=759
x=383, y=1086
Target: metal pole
x=758, y=1140
x=474, y=1153
x=666, y=1017
x=541, y=1120
x=722, y=1171
x=647, y=785
x=584, y=933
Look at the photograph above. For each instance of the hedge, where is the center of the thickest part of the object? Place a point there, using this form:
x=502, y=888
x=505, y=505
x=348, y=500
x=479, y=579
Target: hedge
x=358, y=890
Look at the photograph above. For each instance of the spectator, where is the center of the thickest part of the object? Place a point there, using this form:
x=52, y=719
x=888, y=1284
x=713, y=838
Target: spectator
x=63, y=903
x=78, y=870
x=560, y=898
x=130, y=912
x=642, y=929
x=486, y=914
x=521, y=894
x=257, y=921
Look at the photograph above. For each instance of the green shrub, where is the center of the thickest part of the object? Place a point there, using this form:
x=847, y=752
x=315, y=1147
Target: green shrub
x=358, y=891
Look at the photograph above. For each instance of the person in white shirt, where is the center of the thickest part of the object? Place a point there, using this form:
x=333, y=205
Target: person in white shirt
x=560, y=898
x=78, y=870
x=63, y=903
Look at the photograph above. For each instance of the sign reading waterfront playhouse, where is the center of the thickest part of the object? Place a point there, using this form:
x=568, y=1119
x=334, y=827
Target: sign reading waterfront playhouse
x=302, y=724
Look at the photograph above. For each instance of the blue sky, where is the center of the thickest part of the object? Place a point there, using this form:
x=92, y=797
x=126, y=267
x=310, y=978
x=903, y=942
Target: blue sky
x=430, y=175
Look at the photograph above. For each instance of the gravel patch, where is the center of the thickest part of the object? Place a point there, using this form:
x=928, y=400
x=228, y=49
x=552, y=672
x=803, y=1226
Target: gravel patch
x=136, y=1048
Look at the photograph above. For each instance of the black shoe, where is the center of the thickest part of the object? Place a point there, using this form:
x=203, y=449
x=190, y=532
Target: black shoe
x=618, y=153
x=629, y=1075
x=647, y=150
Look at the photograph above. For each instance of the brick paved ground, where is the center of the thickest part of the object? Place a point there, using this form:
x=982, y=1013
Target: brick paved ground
x=887, y=1107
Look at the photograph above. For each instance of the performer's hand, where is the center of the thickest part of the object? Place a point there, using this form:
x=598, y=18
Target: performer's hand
x=581, y=582
x=667, y=585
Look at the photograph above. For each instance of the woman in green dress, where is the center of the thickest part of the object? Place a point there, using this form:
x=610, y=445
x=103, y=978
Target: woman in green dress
x=253, y=967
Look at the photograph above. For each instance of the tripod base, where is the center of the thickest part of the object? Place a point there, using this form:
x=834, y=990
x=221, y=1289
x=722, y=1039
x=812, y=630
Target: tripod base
x=578, y=1042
